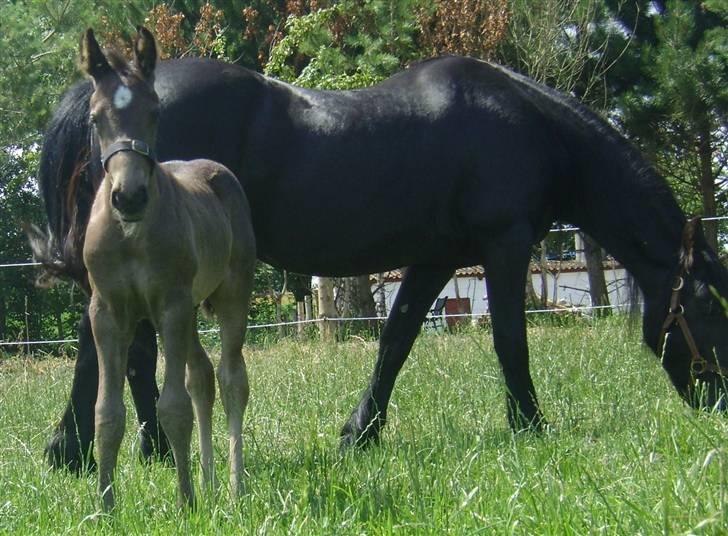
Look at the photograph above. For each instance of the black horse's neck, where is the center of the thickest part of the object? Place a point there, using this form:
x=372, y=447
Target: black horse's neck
x=630, y=211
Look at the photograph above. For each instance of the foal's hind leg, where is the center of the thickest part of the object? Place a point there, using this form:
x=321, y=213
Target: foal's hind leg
x=420, y=287
x=231, y=303
x=200, y=384
x=507, y=258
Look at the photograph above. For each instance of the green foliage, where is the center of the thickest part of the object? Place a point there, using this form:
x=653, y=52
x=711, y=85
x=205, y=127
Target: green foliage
x=26, y=311
x=674, y=100
x=351, y=44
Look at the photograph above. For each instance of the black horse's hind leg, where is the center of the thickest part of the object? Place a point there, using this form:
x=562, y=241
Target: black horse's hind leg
x=141, y=371
x=507, y=259
x=70, y=444
x=420, y=287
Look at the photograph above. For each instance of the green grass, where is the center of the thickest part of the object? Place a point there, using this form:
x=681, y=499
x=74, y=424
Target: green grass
x=624, y=455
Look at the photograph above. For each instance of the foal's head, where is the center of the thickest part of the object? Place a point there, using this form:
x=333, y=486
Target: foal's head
x=124, y=109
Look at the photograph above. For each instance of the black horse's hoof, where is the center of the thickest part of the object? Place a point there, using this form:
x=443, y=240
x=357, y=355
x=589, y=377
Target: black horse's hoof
x=153, y=448
x=536, y=425
x=355, y=434
x=65, y=451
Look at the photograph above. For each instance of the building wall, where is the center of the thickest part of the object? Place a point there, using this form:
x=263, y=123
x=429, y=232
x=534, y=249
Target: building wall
x=566, y=288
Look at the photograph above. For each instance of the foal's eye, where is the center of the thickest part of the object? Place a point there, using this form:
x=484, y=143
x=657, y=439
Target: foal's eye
x=92, y=119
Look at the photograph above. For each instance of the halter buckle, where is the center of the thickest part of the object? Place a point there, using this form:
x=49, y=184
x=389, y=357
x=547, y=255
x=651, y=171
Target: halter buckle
x=698, y=365
x=142, y=148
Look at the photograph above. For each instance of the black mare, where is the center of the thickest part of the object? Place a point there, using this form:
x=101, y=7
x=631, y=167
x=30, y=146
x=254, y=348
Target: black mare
x=453, y=162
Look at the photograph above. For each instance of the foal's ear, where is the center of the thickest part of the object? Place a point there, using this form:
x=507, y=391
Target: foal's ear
x=692, y=234
x=91, y=58
x=145, y=52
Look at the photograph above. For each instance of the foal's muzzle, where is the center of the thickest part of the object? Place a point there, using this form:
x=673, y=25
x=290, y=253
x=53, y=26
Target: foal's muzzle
x=130, y=206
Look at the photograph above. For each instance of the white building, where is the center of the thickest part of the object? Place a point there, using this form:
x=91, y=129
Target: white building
x=566, y=285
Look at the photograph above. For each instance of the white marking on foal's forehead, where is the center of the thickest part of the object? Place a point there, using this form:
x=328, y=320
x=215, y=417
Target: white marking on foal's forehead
x=122, y=97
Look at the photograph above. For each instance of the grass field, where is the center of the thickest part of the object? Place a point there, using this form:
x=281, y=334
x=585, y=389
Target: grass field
x=624, y=455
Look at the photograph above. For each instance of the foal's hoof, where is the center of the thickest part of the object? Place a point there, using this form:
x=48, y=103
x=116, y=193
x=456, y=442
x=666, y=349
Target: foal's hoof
x=65, y=451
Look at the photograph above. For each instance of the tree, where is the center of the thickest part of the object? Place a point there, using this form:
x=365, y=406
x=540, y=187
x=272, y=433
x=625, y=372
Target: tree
x=674, y=99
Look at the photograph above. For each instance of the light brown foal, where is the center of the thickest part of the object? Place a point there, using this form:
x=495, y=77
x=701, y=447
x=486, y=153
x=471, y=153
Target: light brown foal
x=163, y=238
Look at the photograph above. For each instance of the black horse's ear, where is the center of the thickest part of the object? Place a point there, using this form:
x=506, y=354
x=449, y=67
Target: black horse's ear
x=91, y=58
x=145, y=52
x=692, y=233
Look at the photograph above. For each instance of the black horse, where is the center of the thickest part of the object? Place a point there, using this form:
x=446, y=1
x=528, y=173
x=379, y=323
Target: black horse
x=452, y=162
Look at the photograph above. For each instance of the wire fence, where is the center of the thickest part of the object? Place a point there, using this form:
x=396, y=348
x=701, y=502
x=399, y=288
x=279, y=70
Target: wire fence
x=474, y=316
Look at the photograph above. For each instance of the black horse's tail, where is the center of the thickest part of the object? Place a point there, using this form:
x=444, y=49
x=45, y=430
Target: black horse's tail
x=68, y=176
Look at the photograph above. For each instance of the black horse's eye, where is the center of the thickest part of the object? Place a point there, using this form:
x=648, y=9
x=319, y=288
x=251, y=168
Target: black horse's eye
x=92, y=119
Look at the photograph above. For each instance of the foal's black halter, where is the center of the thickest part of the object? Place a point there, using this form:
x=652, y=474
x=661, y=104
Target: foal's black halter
x=134, y=146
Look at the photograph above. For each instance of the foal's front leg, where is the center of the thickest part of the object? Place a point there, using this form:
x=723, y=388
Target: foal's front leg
x=112, y=341
x=174, y=407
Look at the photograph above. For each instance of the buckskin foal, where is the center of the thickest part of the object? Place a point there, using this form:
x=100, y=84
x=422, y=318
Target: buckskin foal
x=162, y=238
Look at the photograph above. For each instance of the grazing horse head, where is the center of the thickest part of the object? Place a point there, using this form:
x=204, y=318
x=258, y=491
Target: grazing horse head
x=124, y=110
x=693, y=340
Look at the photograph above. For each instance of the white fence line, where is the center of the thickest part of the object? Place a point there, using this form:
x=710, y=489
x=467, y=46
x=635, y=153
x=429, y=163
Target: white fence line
x=318, y=320
x=572, y=310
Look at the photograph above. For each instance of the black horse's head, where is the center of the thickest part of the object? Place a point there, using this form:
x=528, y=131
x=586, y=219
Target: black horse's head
x=693, y=341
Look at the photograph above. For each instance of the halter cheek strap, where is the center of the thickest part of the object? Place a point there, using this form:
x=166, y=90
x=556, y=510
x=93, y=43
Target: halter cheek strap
x=134, y=146
x=675, y=315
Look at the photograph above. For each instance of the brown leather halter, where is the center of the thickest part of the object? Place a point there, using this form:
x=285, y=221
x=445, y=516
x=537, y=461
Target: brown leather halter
x=676, y=315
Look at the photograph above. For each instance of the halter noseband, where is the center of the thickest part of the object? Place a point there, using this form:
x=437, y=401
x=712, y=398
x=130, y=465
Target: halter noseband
x=134, y=146
x=676, y=315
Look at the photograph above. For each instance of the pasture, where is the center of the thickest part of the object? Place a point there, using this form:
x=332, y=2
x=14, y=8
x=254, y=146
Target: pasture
x=624, y=455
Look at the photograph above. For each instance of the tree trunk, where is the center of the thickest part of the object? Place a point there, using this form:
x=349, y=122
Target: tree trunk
x=707, y=184
x=544, y=276
x=3, y=319
x=327, y=308
x=358, y=302
x=532, y=300
x=381, y=296
x=58, y=314
x=595, y=271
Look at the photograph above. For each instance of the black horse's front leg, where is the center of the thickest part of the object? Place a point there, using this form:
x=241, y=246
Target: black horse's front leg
x=71, y=442
x=507, y=260
x=420, y=287
x=141, y=373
